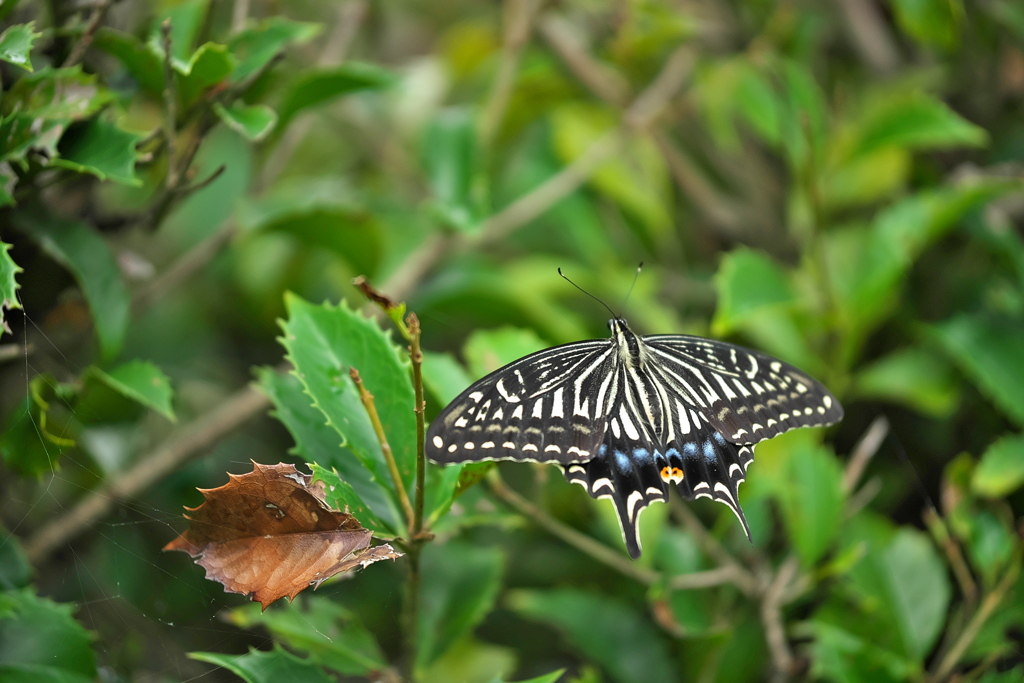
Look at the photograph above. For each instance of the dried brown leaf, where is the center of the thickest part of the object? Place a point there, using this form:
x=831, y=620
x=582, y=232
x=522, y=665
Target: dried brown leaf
x=270, y=534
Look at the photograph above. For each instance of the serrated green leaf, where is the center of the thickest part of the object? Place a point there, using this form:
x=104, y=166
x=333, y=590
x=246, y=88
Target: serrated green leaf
x=330, y=634
x=605, y=630
x=988, y=351
x=8, y=285
x=274, y=666
x=16, y=44
x=319, y=444
x=40, y=638
x=1001, y=469
x=748, y=283
x=488, y=350
x=636, y=179
x=256, y=45
x=323, y=343
x=88, y=258
x=460, y=585
x=141, y=381
x=932, y=22
x=101, y=149
x=317, y=86
x=915, y=377
x=252, y=121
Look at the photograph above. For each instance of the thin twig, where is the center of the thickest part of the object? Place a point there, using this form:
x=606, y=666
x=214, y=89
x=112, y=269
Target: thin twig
x=743, y=579
x=871, y=36
x=865, y=449
x=518, y=22
x=705, y=579
x=170, y=107
x=939, y=530
x=371, y=410
x=99, y=11
x=970, y=632
x=416, y=356
x=581, y=542
x=599, y=78
x=179, y=446
x=239, y=13
x=771, y=617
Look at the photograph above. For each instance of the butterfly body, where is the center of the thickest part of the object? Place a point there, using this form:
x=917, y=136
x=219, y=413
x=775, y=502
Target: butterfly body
x=629, y=417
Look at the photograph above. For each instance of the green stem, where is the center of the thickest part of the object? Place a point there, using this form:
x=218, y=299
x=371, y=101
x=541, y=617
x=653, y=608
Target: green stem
x=371, y=409
x=416, y=356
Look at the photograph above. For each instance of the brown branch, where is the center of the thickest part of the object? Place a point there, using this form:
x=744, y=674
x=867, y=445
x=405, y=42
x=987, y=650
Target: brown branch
x=599, y=78
x=170, y=108
x=870, y=35
x=743, y=579
x=581, y=542
x=771, y=616
x=518, y=22
x=178, y=447
x=937, y=526
x=99, y=11
x=862, y=453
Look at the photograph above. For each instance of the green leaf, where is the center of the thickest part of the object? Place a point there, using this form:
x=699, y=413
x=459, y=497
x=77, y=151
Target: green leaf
x=255, y=46
x=460, y=584
x=101, y=149
x=806, y=479
x=323, y=343
x=839, y=655
x=15, y=571
x=317, y=86
x=141, y=381
x=1001, y=470
x=258, y=666
x=211, y=64
x=932, y=22
x=16, y=44
x=988, y=351
x=318, y=443
x=552, y=677
x=8, y=285
x=444, y=376
x=604, y=630
x=452, y=162
x=186, y=19
x=320, y=213
x=917, y=121
x=141, y=60
x=913, y=376
x=329, y=633
x=636, y=178
x=23, y=449
x=252, y=121
x=88, y=258
x=40, y=641
x=488, y=350
x=748, y=283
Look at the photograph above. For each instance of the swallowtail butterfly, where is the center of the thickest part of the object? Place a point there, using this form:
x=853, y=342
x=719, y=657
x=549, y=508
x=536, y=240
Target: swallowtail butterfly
x=630, y=416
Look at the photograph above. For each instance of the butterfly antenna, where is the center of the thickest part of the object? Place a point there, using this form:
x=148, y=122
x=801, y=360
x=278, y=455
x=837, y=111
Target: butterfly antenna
x=586, y=292
x=635, y=278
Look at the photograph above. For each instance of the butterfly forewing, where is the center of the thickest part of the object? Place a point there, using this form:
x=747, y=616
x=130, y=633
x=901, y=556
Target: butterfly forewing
x=546, y=407
x=746, y=396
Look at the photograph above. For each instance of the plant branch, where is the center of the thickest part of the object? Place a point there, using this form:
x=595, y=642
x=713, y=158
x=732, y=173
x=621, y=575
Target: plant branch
x=940, y=532
x=771, y=616
x=170, y=107
x=862, y=453
x=581, y=542
x=99, y=11
x=743, y=579
x=179, y=446
x=518, y=22
x=371, y=410
x=985, y=610
x=416, y=356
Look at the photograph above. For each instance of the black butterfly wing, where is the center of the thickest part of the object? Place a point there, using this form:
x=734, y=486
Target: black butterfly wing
x=545, y=407
x=744, y=395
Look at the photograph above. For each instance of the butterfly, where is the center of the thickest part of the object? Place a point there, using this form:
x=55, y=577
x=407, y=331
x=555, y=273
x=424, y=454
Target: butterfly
x=630, y=417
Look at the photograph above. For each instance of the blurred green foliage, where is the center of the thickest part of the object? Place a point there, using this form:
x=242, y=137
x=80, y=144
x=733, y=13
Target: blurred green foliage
x=838, y=184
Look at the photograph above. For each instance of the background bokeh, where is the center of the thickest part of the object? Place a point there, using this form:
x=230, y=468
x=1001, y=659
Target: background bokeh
x=837, y=184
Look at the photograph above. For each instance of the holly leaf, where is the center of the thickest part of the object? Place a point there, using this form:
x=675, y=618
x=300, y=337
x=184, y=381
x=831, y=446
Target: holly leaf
x=16, y=44
x=8, y=285
x=269, y=534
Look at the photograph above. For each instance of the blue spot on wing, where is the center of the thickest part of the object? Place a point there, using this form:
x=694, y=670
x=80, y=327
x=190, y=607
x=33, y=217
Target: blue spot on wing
x=623, y=462
x=709, y=452
x=642, y=456
x=719, y=438
x=690, y=449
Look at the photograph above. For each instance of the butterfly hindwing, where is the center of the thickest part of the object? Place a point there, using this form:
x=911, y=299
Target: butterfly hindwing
x=546, y=407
